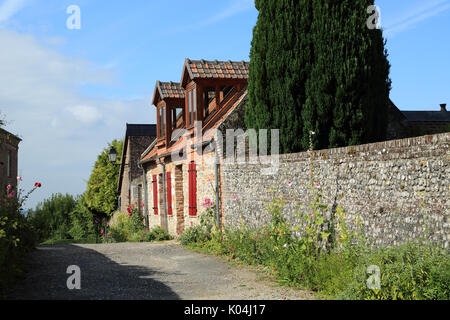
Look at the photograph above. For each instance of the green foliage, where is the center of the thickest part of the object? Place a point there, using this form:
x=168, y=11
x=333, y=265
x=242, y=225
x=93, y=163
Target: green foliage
x=101, y=194
x=202, y=232
x=130, y=227
x=315, y=66
x=17, y=238
x=51, y=218
x=82, y=223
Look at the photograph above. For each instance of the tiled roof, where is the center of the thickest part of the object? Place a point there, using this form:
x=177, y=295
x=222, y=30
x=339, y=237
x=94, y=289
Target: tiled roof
x=202, y=69
x=168, y=90
x=141, y=130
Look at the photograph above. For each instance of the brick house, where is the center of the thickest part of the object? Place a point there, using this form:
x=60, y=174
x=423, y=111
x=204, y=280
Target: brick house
x=208, y=93
x=9, y=149
x=131, y=183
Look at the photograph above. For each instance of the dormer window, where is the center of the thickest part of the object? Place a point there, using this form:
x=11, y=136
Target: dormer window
x=191, y=107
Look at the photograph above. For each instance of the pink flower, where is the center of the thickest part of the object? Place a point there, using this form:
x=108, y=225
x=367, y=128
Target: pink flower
x=142, y=204
x=289, y=183
x=317, y=186
x=102, y=232
x=235, y=198
x=8, y=187
x=19, y=178
x=207, y=203
x=132, y=206
x=308, y=152
x=11, y=194
x=190, y=224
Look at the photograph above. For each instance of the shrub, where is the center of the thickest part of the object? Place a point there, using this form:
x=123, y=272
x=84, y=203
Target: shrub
x=17, y=236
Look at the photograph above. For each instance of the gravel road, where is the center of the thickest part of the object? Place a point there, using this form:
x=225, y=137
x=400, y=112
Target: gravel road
x=143, y=271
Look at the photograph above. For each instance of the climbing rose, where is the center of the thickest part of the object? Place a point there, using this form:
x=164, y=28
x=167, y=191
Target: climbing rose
x=37, y=185
x=19, y=178
x=11, y=194
x=8, y=187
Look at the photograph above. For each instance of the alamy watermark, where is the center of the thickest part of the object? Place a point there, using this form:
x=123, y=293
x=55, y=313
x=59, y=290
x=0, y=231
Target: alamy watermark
x=74, y=281
x=237, y=147
x=374, y=280
x=74, y=20
x=374, y=20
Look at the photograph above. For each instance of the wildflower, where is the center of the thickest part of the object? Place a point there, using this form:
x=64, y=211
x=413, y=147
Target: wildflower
x=289, y=183
x=235, y=198
x=285, y=245
x=130, y=214
x=317, y=186
x=313, y=133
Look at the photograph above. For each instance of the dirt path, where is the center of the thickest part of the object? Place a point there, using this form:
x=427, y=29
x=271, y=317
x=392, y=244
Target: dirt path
x=129, y=271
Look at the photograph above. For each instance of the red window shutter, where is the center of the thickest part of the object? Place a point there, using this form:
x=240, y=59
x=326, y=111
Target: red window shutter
x=155, y=195
x=169, y=193
x=192, y=189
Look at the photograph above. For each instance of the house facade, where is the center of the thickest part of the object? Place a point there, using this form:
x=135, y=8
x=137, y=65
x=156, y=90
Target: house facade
x=183, y=165
x=131, y=184
x=9, y=149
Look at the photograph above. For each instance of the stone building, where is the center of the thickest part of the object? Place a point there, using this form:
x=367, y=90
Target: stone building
x=406, y=124
x=9, y=148
x=131, y=183
x=181, y=167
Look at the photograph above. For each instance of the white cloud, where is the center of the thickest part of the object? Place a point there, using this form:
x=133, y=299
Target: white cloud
x=63, y=130
x=9, y=8
x=85, y=114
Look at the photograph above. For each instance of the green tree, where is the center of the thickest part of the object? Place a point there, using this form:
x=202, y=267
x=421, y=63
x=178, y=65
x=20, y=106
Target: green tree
x=82, y=222
x=51, y=218
x=101, y=194
x=280, y=64
x=315, y=66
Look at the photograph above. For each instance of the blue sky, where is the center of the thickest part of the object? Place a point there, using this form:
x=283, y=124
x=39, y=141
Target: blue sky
x=67, y=93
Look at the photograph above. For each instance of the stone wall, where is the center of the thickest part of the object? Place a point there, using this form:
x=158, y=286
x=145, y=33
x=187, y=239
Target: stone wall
x=399, y=188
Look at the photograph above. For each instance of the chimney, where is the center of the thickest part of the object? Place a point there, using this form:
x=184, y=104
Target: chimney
x=443, y=107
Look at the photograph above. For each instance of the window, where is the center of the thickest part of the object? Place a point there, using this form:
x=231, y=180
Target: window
x=155, y=195
x=8, y=164
x=163, y=121
x=160, y=121
x=189, y=108
x=169, y=193
x=194, y=103
x=192, y=189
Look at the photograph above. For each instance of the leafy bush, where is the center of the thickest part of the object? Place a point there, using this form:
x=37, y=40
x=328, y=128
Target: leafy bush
x=409, y=272
x=17, y=236
x=130, y=227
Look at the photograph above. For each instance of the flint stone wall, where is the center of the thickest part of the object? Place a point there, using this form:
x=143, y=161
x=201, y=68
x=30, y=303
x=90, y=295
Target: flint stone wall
x=400, y=188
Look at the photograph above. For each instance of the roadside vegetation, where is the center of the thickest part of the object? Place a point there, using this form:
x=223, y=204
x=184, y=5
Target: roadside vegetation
x=328, y=255
x=17, y=236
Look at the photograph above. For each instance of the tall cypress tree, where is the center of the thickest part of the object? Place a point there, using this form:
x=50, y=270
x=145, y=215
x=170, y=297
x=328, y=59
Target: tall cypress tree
x=315, y=66
x=279, y=66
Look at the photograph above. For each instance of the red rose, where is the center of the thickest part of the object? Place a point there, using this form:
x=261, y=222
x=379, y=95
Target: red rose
x=37, y=185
